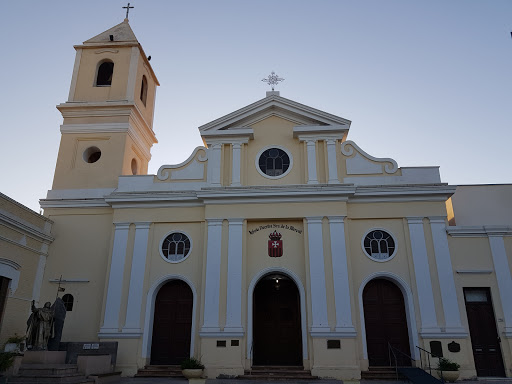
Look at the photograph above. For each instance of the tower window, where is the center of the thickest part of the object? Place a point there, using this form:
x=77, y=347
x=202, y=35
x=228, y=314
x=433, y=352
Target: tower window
x=144, y=90
x=379, y=245
x=105, y=72
x=92, y=155
x=175, y=247
x=68, y=301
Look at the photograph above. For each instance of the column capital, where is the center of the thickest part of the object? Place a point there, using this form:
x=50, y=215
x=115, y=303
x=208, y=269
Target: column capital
x=330, y=140
x=336, y=219
x=142, y=225
x=415, y=220
x=214, y=221
x=236, y=145
x=235, y=221
x=437, y=219
x=314, y=219
x=122, y=226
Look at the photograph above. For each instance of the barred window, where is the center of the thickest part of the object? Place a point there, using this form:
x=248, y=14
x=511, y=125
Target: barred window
x=274, y=162
x=176, y=246
x=379, y=245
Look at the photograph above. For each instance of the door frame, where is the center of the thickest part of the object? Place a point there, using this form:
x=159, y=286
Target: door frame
x=409, y=310
x=250, y=307
x=147, y=336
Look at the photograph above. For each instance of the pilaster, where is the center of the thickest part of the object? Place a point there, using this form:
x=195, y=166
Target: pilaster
x=332, y=164
x=317, y=276
x=311, y=151
x=115, y=281
x=423, y=280
x=133, y=312
x=234, y=283
x=212, y=280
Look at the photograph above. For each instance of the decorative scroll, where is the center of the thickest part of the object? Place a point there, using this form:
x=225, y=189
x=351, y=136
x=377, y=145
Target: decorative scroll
x=347, y=148
x=189, y=172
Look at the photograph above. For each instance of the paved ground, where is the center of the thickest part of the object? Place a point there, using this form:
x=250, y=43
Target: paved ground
x=161, y=380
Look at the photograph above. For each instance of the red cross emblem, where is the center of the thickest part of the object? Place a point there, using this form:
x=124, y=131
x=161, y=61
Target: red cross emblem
x=275, y=245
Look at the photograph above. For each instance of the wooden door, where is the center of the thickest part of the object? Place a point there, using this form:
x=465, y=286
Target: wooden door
x=172, y=324
x=386, y=323
x=483, y=332
x=277, y=336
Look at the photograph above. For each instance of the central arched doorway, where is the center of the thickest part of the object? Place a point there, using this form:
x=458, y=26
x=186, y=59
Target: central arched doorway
x=277, y=336
x=385, y=323
x=172, y=324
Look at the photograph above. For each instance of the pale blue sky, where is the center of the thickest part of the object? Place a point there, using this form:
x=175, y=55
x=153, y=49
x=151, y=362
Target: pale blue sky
x=423, y=82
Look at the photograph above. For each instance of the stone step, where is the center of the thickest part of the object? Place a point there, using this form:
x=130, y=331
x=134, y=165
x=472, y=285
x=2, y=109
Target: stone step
x=160, y=371
x=276, y=377
x=47, y=369
x=382, y=373
x=51, y=379
x=277, y=373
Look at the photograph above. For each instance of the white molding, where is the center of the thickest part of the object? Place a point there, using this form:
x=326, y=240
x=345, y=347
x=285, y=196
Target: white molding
x=340, y=277
x=74, y=77
x=22, y=226
x=302, y=294
x=7, y=270
x=257, y=162
x=150, y=312
x=230, y=136
x=318, y=296
x=73, y=194
x=138, y=269
x=479, y=231
x=347, y=148
x=320, y=132
x=212, y=278
x=422, y=273
x=409, y=310
x=115, y=279
x=162, y=176
x=475, y=271
x=18, y=244
x=273, y=105
x=68, y=281
x=234, y=278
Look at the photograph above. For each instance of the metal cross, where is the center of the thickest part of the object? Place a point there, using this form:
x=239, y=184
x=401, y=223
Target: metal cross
x=128, y=9
x=272, y=80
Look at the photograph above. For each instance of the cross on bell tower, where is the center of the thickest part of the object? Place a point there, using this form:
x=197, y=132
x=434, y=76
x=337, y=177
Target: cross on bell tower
x=128, y=10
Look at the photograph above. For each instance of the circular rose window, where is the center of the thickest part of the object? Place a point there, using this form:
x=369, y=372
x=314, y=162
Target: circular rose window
x=175, y=247
x=274, y=162
x=379, y=245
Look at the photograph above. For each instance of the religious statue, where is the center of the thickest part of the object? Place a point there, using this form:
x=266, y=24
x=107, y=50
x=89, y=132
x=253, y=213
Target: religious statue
x=39, y=327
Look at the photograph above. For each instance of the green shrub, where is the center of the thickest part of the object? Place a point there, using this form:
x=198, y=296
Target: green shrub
x=6, y=360
x=445, y=364
x=16, y=339
x=191, y=363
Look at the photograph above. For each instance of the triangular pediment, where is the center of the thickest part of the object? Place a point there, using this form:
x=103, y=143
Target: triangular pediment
x=121, y=33
x=272, y=105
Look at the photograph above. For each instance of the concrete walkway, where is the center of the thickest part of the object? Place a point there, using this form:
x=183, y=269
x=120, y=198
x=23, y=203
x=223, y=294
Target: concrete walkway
x=166, y=380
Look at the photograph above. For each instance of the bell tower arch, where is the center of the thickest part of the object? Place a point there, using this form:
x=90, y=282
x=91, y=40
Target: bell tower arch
x=107, y=128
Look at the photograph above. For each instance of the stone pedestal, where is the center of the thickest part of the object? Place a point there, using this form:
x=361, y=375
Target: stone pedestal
x=44, y=357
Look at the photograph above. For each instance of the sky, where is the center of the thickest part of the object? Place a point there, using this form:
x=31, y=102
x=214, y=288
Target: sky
x=423, y=82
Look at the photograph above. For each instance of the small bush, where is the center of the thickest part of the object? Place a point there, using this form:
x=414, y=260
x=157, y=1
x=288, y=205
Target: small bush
x=16, y=339
x=447, y=365
x=6, y=360
x=191, y=363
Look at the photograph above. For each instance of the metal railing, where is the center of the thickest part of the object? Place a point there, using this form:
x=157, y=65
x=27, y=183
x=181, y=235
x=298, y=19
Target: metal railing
x=429, y=354
x=392, y=351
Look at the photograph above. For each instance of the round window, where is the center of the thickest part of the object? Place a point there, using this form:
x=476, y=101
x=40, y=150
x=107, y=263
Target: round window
x=379, y=245
x=92, y=155
x=274, y=162
x=175, y=247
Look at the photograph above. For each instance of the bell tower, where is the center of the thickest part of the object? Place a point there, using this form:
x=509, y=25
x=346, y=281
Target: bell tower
x=108, y=119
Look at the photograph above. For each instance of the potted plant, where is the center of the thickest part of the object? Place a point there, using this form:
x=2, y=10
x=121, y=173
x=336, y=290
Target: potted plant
x=15, y=343
x=192, y=368
x=448, y=370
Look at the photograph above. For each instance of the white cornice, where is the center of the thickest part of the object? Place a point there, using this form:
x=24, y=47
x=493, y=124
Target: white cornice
x=24, y=227
x=320, y=132
x=479, y=231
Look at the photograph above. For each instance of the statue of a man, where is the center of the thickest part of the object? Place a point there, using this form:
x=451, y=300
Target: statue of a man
x=39, y=327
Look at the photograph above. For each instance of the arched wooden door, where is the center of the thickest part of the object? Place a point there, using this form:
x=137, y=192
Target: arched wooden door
x=172, y=324
x=277, y=335
x=385, y=322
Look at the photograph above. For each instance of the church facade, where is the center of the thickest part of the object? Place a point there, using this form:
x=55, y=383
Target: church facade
x=278, y=243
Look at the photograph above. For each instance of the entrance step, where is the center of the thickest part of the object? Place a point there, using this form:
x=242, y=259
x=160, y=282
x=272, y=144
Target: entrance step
x=382, y=373
x=160, y=371
x=49, y=373
x=277, y=373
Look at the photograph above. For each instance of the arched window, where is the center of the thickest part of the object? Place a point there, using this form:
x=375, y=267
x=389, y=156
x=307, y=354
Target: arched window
x=68, y=301
x=144, y=90
x=105, y=72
